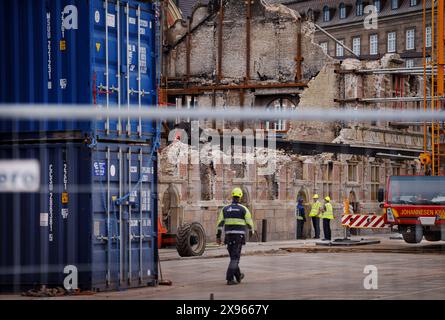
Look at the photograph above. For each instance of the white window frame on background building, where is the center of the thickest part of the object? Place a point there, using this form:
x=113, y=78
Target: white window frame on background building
x=279, y=104
x=413, y=3
x=373, y=44
x=392, y=42
x=356, y=46
x=409, y=63
x=394, y=4
x=410, y=39
x=428, y=37
x=339, y=50
x=324, y=46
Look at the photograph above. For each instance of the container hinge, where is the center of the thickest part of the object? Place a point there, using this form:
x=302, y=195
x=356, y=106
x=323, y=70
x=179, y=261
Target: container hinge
x=142, y=92
x=104, y=89
x=102, y=238
x=138, y=237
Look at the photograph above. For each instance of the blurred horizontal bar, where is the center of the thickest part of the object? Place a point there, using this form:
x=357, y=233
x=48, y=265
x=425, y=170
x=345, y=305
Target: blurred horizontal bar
x=94, y=112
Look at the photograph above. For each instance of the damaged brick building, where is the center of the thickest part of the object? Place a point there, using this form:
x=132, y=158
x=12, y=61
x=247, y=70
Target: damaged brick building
x=255, y=56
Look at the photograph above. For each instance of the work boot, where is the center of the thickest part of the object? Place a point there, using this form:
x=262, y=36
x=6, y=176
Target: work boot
x=231, y=282
x=241, y=277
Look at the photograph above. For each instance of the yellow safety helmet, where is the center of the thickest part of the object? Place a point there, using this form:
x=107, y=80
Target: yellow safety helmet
x=425, y=158
x=315, y=196
x=328, y=199
x=237, y=192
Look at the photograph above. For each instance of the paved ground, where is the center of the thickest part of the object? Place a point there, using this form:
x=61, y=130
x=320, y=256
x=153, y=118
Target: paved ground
x=302, y=270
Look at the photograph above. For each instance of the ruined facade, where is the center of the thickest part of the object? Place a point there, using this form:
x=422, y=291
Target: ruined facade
x=243, y=54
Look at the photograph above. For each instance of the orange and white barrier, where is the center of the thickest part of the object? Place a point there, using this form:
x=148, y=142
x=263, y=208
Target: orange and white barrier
x=363, y=221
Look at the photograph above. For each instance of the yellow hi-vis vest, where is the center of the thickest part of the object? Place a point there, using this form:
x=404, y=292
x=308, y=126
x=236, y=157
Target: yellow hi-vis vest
x=315, y=209
x=329, y=212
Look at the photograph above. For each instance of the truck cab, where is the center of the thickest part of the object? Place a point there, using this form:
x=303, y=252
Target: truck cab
x=416, y=204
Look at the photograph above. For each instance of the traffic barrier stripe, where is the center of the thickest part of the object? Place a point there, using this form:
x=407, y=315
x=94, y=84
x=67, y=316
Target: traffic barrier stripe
x=362, y=221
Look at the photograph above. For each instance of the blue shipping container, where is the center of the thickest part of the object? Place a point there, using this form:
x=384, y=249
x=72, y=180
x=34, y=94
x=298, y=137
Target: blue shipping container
x=96, y=211
x=93, y=52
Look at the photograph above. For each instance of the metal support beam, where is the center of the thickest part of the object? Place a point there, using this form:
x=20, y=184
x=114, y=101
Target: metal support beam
x=299, y=58
x=220, y=42
x=200, y=89
x=336, y=40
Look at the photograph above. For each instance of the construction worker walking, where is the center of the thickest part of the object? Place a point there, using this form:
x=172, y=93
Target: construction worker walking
x=327, y=216
x=234, y=219
x=301, y=219
x=315, y=215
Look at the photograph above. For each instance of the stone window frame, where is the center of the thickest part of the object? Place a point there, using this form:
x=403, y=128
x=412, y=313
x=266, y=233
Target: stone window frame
x=395, y=169
x=374, y=179
x=327, y=178
x=354, y=165
x=394, y=41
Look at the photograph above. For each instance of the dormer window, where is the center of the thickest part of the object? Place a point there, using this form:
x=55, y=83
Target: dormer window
x=342, y=10
x=326, y=14
x=359, y=8
x=378, y=5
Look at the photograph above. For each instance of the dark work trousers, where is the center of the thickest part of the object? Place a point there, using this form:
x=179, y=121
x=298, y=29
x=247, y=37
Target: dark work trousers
x=316, y=224
x=300, y=225
x=327, y=228
x=234, y=245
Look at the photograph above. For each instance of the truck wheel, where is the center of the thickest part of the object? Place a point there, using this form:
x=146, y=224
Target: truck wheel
x=412, y=234
x=190, y=240
x=433, y=236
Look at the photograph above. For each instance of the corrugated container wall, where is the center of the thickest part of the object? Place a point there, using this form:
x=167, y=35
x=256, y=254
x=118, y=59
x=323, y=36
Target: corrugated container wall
x=78, y=52
x=96, y=212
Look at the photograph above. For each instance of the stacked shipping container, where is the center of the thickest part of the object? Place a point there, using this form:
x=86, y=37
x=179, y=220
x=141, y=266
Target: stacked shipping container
x=96, y=209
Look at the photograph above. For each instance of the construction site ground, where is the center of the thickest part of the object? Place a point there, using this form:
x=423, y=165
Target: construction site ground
x=299, y=269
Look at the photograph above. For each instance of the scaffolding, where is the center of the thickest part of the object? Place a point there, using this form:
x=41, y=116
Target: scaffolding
x=436, y=128
x=432, y=72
